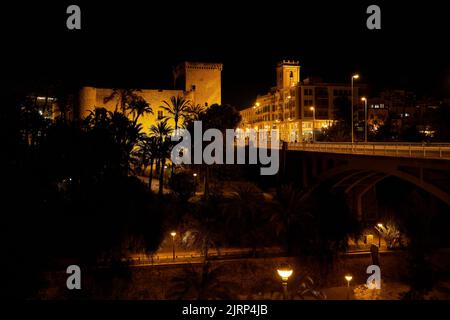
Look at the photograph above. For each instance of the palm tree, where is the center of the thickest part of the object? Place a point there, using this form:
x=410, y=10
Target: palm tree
x=194, y=112
x=164, y=149
x=204, y=285
x=161, y=131
x=123, y=96
x=123, y=132
x=147, y=153
x=177, y=108
x=205, y=227
x=246, y=215
x=287, y=213
x=140, y=154
x=139, y=107
x=97, y=118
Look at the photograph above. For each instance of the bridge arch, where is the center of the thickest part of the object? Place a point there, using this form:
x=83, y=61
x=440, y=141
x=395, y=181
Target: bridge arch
x=371, y=177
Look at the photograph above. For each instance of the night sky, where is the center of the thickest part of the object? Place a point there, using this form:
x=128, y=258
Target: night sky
x=136, y=43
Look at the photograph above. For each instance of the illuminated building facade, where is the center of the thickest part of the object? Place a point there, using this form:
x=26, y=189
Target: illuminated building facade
x=296, y=107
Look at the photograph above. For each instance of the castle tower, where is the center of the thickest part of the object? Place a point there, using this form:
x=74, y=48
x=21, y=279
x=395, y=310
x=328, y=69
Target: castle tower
x=201, y=81
x=87, y=101
x=288, y=74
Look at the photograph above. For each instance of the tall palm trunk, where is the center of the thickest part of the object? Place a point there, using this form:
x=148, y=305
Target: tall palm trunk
x=161, y=177
x=150, y=176
x=206, y=183
x=176, y=133
x=158, y=166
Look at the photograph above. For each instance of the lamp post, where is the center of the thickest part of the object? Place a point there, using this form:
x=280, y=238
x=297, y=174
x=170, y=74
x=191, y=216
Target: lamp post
x=348, y=278
x=354, y=77
x=173, y=234
x=314, y=122
x=380, y=226
x=285, y=273
x=195, y=181
x=365, y=118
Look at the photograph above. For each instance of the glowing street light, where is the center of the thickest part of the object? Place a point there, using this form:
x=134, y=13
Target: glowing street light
x=354, y=77
x=284, y=273
x=314, y=122
x=194, y=175
x=348, y=278
x=380, y=228
x=365, y=118
x=173, y=234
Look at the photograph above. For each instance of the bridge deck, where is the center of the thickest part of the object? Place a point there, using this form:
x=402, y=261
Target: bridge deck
x=429, y=151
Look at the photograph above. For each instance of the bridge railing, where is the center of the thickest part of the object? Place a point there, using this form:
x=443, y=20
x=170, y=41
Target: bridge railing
x=410, y=150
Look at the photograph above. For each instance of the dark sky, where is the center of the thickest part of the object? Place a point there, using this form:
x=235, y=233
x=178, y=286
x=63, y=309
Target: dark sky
x=135, y=43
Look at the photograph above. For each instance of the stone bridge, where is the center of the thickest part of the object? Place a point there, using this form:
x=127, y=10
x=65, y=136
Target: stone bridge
x=356, y=169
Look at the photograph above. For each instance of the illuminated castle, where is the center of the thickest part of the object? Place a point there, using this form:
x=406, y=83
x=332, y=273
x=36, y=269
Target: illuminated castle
x=198, y=82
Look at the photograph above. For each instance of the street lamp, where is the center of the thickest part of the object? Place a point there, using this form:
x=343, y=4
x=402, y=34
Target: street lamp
x=284, y=273
x=380, y=228
x=173, y=234
x=195, y=181
x=348, y=278
x=314, y=121
x=354, y=77
x=365, y=118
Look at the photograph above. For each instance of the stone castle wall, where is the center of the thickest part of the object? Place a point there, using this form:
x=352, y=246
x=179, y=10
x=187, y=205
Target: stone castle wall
x=201, y=85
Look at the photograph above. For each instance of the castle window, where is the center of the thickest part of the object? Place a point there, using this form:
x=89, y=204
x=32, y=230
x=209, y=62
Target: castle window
x=206, y=104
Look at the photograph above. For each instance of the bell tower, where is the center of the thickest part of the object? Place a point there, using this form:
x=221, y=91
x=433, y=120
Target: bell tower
x=288, y=74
